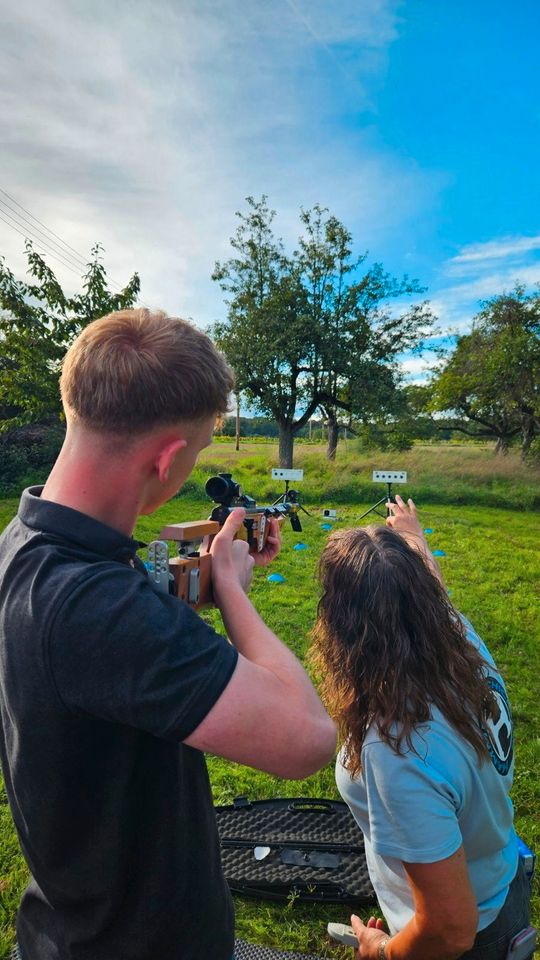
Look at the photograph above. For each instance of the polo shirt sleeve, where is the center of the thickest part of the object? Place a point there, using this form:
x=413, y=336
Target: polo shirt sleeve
x=121, y=651
x=411, y=805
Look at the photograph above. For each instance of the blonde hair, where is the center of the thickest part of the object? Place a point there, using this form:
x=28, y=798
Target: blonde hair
x=134, y=370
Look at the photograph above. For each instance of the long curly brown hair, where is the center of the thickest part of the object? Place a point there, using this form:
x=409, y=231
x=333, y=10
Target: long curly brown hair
x=390, y=645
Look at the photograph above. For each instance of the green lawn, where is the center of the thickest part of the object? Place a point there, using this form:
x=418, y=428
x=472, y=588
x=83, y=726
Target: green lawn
x=491, y=566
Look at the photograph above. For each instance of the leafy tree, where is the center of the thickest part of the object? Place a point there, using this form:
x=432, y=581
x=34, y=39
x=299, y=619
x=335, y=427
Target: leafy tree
x=354, y=362
x=38, y=321
x=303, y=331
x=249, y=427
x=491, y=382
x=266, y=337
x=406, y=418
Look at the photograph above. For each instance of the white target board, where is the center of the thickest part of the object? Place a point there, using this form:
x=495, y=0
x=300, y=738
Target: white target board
x=281, y=474
x=390, y=476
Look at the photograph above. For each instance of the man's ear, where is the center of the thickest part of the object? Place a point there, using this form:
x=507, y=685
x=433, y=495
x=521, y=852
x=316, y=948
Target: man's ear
x=165, y=457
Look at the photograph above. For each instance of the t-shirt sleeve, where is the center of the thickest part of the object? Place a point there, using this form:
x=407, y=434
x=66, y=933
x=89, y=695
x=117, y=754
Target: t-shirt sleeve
x=120, y=651
x=412, y=806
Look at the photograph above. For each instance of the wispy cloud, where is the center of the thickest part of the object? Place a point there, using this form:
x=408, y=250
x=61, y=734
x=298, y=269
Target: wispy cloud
x=418, y=369
x=496, y=249
x=145, y=125
x=481, y=271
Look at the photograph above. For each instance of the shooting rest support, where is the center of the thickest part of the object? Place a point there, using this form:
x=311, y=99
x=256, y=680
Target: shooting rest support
x=291, y=496
x=388, y=477
x=385, y=499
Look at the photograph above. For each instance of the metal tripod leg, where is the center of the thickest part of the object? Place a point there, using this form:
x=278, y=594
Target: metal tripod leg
x=385, y=499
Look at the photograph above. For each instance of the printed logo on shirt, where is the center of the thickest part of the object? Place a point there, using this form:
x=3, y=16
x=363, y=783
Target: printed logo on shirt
x=498, y=732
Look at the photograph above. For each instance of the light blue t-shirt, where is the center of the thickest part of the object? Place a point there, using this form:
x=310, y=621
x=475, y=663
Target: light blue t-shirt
x=422, y=806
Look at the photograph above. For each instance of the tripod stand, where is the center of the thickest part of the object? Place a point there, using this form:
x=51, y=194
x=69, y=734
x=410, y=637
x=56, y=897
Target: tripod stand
x=291, y=496
x=385, y=499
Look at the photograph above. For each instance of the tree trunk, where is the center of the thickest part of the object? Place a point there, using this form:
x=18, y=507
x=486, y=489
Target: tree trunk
x=333, y=432
x=528, y=432
x=286, y=443
x=501, y=447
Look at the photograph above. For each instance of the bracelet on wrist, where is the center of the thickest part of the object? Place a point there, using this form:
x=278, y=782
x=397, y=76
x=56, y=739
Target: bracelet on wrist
x=381, y=953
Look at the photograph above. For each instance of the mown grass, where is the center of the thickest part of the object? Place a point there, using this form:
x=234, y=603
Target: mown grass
x=492, y=569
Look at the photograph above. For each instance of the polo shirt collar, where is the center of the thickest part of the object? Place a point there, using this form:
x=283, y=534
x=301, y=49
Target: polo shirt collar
x=59, y=521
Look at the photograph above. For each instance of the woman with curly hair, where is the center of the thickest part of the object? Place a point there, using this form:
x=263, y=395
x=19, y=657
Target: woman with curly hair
x=426, y=763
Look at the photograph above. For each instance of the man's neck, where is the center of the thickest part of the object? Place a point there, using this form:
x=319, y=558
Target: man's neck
x=105, y=489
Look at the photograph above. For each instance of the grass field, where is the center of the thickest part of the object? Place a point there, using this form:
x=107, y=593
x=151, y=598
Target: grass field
x=482, y=514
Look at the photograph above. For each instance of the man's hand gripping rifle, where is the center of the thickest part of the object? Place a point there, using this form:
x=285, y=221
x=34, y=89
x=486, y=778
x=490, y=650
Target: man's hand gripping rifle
x=189, y=574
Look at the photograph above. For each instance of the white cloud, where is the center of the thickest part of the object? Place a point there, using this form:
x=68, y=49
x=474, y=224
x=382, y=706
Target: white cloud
x=413, y=365
x=485, y=270
x=499, y=249
x=418, y=369
x=145, y=125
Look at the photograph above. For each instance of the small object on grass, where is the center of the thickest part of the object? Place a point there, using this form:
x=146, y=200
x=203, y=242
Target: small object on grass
x=343, y=934
x=261, y=853
x=300, y=546
x=438, y=553
x=276, y=578
x=326, y=526
x=428, y=530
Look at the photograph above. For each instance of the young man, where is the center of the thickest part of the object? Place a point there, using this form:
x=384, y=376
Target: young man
x=109, y=690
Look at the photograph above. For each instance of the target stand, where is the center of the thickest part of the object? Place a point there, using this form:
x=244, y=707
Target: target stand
x=308, y=848
x=388, y=477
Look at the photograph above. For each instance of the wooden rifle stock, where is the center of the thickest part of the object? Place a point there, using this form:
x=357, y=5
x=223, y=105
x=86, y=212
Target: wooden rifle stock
x=192, y=572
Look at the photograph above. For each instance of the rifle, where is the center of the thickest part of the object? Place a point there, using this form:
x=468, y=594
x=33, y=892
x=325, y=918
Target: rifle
x=188, y=575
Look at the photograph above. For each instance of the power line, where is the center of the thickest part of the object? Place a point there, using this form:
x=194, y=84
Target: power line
x=84, y=262
x=49, y=254
x=47, y=251
x=15, y=215
x=48, y=229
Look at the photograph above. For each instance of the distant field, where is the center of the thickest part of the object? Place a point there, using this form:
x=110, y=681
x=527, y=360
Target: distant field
x=492, y=568
x=444, y=473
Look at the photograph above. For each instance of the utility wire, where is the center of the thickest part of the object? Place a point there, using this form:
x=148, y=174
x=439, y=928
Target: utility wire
x=84, y=263
x=15, y=215
x=48, y=229
x=47, y=252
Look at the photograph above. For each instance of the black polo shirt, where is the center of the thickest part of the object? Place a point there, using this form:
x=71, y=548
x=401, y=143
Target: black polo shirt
x=101, y=678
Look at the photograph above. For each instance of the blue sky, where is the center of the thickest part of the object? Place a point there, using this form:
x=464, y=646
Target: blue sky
x=144, y=125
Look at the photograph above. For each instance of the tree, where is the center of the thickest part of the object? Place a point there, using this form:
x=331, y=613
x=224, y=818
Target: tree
x=306, y=331
x=354, y=368
x=406, y=418
x=37, y=324
x=491, y=382
x=266, y=338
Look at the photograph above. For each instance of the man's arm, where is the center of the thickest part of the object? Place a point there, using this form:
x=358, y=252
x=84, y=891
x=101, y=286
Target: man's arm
x=269, y=715
x=445, y=915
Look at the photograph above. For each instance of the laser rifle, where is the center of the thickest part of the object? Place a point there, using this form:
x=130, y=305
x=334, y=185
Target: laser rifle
x=188, y=575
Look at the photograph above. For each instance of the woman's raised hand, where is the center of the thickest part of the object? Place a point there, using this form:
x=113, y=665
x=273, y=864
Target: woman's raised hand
x=403, y=520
